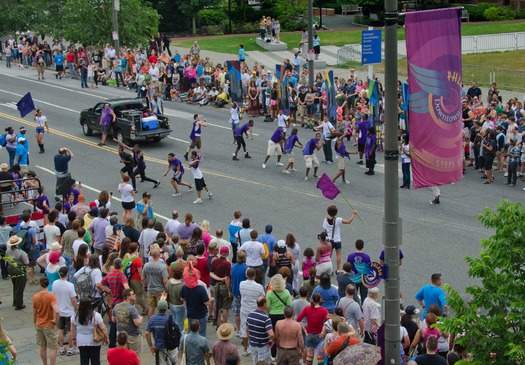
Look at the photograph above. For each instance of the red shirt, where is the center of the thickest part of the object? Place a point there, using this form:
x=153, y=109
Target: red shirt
x=336, y=345
x=70, y=57
x=202, y=266
x=122, y=356
x=135, y=266
x=315, y=319
x=115, y=280
x=153, y=59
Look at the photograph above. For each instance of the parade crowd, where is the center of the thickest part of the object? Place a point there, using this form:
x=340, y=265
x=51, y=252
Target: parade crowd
x=288, y=304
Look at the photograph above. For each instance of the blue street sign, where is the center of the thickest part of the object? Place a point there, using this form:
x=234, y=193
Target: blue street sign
x=370, y=47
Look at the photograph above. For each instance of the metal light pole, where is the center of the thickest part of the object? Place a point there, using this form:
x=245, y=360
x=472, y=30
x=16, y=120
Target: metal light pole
x=311, y=42
x=392, y=223
x=116, y=9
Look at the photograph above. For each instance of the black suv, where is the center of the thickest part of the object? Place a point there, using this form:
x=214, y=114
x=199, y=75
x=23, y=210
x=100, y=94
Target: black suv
x=130, y=125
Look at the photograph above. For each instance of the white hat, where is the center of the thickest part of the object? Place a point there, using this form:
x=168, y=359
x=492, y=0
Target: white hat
x=21, y=139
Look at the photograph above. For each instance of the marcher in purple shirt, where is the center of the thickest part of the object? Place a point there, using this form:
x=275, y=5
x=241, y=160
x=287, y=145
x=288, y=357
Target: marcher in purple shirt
x=239, y=138
x=42, y=202
x=361, y=129
x=291, y=142
x=275, y=147
x=370, y=151
x=107, y=118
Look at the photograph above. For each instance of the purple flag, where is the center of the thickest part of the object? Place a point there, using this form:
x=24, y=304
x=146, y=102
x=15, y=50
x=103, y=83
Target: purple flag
x=25, y=105
x=433, y=40
x=328, y=188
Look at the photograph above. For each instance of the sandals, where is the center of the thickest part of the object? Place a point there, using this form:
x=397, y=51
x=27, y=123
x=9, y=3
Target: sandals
x=62, y=351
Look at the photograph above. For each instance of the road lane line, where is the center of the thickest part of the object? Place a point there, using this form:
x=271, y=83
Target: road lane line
x=180, y=140
x=43, y=102
x=95, y=190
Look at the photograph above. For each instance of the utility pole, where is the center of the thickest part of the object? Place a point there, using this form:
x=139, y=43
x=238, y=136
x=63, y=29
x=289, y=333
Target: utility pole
x=392, y=223
x=116, y=9
x=311, y=43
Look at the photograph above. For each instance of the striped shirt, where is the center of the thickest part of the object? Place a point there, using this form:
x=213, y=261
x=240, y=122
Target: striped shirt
x=250, y=290
x=156, y=325
x=258, y=326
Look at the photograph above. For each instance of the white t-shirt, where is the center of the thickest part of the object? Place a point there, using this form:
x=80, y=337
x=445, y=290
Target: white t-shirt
x=197, y=174
x=76, y=245
x=281, y=121
x=235, y=116
x=52, y=234
x=40, y=122
x=147, y=237
x=172, y=225
x=125, y=193
x=254, y=250
x=327, y=130
x=64, y=291
x=154, y=73
x=328, y=229
x=85, y=333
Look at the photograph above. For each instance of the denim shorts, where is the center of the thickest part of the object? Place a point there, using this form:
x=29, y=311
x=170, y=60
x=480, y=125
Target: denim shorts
x=237, y=305
x=312, y=341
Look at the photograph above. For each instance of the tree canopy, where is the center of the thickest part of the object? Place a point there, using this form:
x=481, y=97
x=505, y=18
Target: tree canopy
x=490, y=323
x=84, y=21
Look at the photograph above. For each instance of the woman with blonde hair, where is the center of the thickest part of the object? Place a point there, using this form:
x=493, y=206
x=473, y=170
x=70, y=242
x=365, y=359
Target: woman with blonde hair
x=206, y=236
x=278, y=298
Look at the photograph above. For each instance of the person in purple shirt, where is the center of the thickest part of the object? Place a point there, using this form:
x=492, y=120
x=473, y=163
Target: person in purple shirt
x=42, y=202
x=370, y=150
x=311, y=160
x=178, y=170
x=74, y=191
x=185, y=230
x=107, y=118
x=359, y=257
x=291, y=142
x=361, y=130
x=275, y=147
x=340, y=154
x=239, y=138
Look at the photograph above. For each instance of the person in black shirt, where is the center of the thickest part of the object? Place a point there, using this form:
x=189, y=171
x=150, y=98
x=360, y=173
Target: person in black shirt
x=431, y=357
x=474, y=90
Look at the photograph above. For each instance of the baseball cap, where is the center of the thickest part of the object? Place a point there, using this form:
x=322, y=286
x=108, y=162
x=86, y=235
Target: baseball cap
x=146, y=195
x=117, y=227
x=162, y=305
x=281, y=244
x=411, y=310
x=224, y=250
x=21, y=139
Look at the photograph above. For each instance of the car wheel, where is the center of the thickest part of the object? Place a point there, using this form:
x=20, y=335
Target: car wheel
x=119, y=136
x=156, y=139
x=85, y=128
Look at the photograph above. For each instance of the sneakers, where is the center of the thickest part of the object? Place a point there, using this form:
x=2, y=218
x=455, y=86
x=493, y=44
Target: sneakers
x=263, y=165
x=435, y=201
x=279, y=164
x=316, y=177
x=247, y=155
x=210, y=194
x=246, y=353
x=329, y=162
x=234, y=158
x=306, y=178
x=156, y=184
x=360, y=162
x=347, y=182
x=62, y=351
x=186, y=156
x=286, y=172
x=72, y=352
x=294, y=170
x=238, y=334
x=198, y=201
x=176, y=194
x=190, y=188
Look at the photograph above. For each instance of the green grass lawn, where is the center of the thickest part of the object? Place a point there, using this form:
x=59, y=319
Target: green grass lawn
x=230, y=44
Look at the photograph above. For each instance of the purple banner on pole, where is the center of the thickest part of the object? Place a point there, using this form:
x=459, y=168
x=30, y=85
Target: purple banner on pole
x=433, y=40
x=327, y=187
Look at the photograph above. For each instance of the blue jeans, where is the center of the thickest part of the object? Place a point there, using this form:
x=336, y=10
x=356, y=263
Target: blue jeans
x=12, y=155
x=83, y=80
x=262, y=32
x=405, y=167
x=179, y=314
x=8, y=61
x=202, y=322
x=72, y=70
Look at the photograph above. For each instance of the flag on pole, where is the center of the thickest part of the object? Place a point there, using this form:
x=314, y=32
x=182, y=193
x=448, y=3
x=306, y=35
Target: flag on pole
x=327, y=187
x=25, y=105
x=234, y=72
x=433, y=41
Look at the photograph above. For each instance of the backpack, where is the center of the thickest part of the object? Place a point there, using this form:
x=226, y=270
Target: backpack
x=3, y=140
x=126, y=267
x=85, y=284
x=23, y=233
x=171, y=334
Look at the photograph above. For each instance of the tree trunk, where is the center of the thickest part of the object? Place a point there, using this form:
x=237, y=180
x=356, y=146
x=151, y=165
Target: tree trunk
x=194, y=25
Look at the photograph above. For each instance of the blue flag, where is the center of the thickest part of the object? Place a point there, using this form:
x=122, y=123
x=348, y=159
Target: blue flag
x=25, y=105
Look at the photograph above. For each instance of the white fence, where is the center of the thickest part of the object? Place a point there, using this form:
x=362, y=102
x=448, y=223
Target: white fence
x=469, y=44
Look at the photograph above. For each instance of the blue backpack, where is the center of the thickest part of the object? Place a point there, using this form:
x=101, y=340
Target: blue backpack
x=3, y=140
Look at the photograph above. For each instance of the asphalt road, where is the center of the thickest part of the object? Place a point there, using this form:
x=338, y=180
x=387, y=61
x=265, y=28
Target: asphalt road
x=434, y=239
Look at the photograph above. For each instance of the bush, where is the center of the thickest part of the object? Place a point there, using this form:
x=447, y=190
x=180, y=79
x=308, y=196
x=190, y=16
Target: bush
x=210, y=17
x=520, y=14
x=477, y=13
x=499, y=13
x=362, y=19
x=293, y=25
x=335, y=6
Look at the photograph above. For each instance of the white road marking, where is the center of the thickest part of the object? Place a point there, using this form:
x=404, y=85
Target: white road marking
x=94, y=189
x=180, y=140
x=41, y=101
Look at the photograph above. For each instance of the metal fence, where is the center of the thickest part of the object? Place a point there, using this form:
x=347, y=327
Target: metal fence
x=469, y=44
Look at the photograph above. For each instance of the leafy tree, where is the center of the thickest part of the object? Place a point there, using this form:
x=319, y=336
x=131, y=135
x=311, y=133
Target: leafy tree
x=491, y=324
x=190, y=8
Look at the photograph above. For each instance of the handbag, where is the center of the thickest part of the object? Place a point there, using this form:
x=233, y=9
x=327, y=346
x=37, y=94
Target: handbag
x=183, y=356
x=98, y=334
